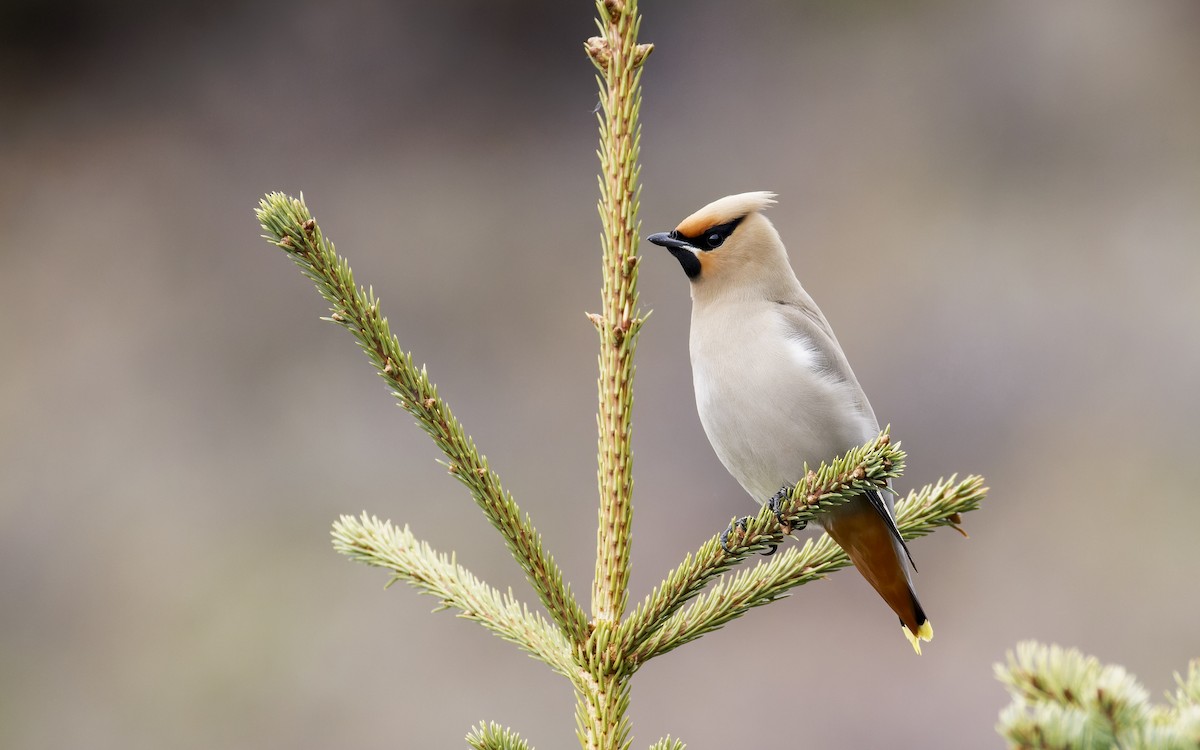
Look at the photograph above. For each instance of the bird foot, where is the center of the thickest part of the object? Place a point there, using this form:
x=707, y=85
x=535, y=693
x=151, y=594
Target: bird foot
x=775, y=503
x=740, y=525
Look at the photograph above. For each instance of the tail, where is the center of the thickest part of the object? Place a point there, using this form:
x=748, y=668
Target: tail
x=859, y=528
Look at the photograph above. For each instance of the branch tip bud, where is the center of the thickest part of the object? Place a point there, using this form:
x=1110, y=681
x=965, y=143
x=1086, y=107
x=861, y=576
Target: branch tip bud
x=598, y=49
x=640, y=53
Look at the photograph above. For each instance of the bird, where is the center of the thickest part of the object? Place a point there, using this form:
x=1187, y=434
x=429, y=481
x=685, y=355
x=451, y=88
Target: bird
x=774, y=389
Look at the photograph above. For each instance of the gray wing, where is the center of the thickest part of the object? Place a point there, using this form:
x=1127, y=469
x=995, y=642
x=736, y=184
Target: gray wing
x=805, y=318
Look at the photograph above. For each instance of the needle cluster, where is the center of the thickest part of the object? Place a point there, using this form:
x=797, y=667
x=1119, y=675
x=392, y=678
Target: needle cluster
x=1063, y=699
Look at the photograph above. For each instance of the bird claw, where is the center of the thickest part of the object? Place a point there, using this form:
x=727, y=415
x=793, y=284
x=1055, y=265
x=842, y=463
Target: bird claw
x=740, y=525
x=775, y=504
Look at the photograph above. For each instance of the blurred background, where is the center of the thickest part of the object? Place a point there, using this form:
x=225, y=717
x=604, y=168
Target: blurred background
x=995, y=203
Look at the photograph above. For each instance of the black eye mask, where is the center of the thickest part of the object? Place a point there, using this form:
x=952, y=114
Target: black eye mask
x=681, y=245
x=711, y=238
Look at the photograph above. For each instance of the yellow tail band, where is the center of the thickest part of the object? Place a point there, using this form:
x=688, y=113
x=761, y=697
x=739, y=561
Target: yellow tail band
x=924, y=633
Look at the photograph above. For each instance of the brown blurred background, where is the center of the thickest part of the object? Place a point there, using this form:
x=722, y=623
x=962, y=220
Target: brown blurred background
x=996, y=203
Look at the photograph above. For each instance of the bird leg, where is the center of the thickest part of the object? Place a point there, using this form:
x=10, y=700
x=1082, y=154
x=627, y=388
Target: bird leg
x=775, y=503
x=740, y=525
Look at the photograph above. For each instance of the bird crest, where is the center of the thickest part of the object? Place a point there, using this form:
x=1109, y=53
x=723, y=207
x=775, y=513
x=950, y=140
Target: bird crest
x=723, y=210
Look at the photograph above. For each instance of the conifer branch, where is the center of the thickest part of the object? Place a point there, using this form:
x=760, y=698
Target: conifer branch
x=1063, y=699
x=917, y=515
x=666, y=743
x=290, y=226
x=868, y=467
x=492, y=736
x=1187, y=694
x=380, y=544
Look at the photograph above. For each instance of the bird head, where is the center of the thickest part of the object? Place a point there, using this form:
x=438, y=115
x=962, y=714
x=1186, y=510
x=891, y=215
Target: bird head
x=728, y=243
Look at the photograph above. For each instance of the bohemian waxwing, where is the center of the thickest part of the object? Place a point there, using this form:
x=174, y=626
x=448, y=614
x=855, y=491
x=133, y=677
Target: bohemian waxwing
x=773, y=387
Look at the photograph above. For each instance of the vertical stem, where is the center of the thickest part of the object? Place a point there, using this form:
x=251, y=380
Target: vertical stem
x=601, y=714
x=603, y=694
x=618, y=56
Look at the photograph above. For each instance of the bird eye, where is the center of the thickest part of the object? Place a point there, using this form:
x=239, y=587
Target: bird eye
x=714, y=240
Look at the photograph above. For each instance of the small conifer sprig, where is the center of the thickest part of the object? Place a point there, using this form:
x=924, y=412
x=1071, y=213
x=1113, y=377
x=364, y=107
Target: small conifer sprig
x=491, y=736
x=1064, y=699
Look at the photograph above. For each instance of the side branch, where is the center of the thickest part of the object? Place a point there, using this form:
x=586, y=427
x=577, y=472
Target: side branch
x=917, y=515
x=868, y=467
x=290, y=226
x=378, y=543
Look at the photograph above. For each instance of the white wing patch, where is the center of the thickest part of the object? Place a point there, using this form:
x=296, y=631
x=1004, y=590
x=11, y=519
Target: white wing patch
x=801, y=351
x=804, y=352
